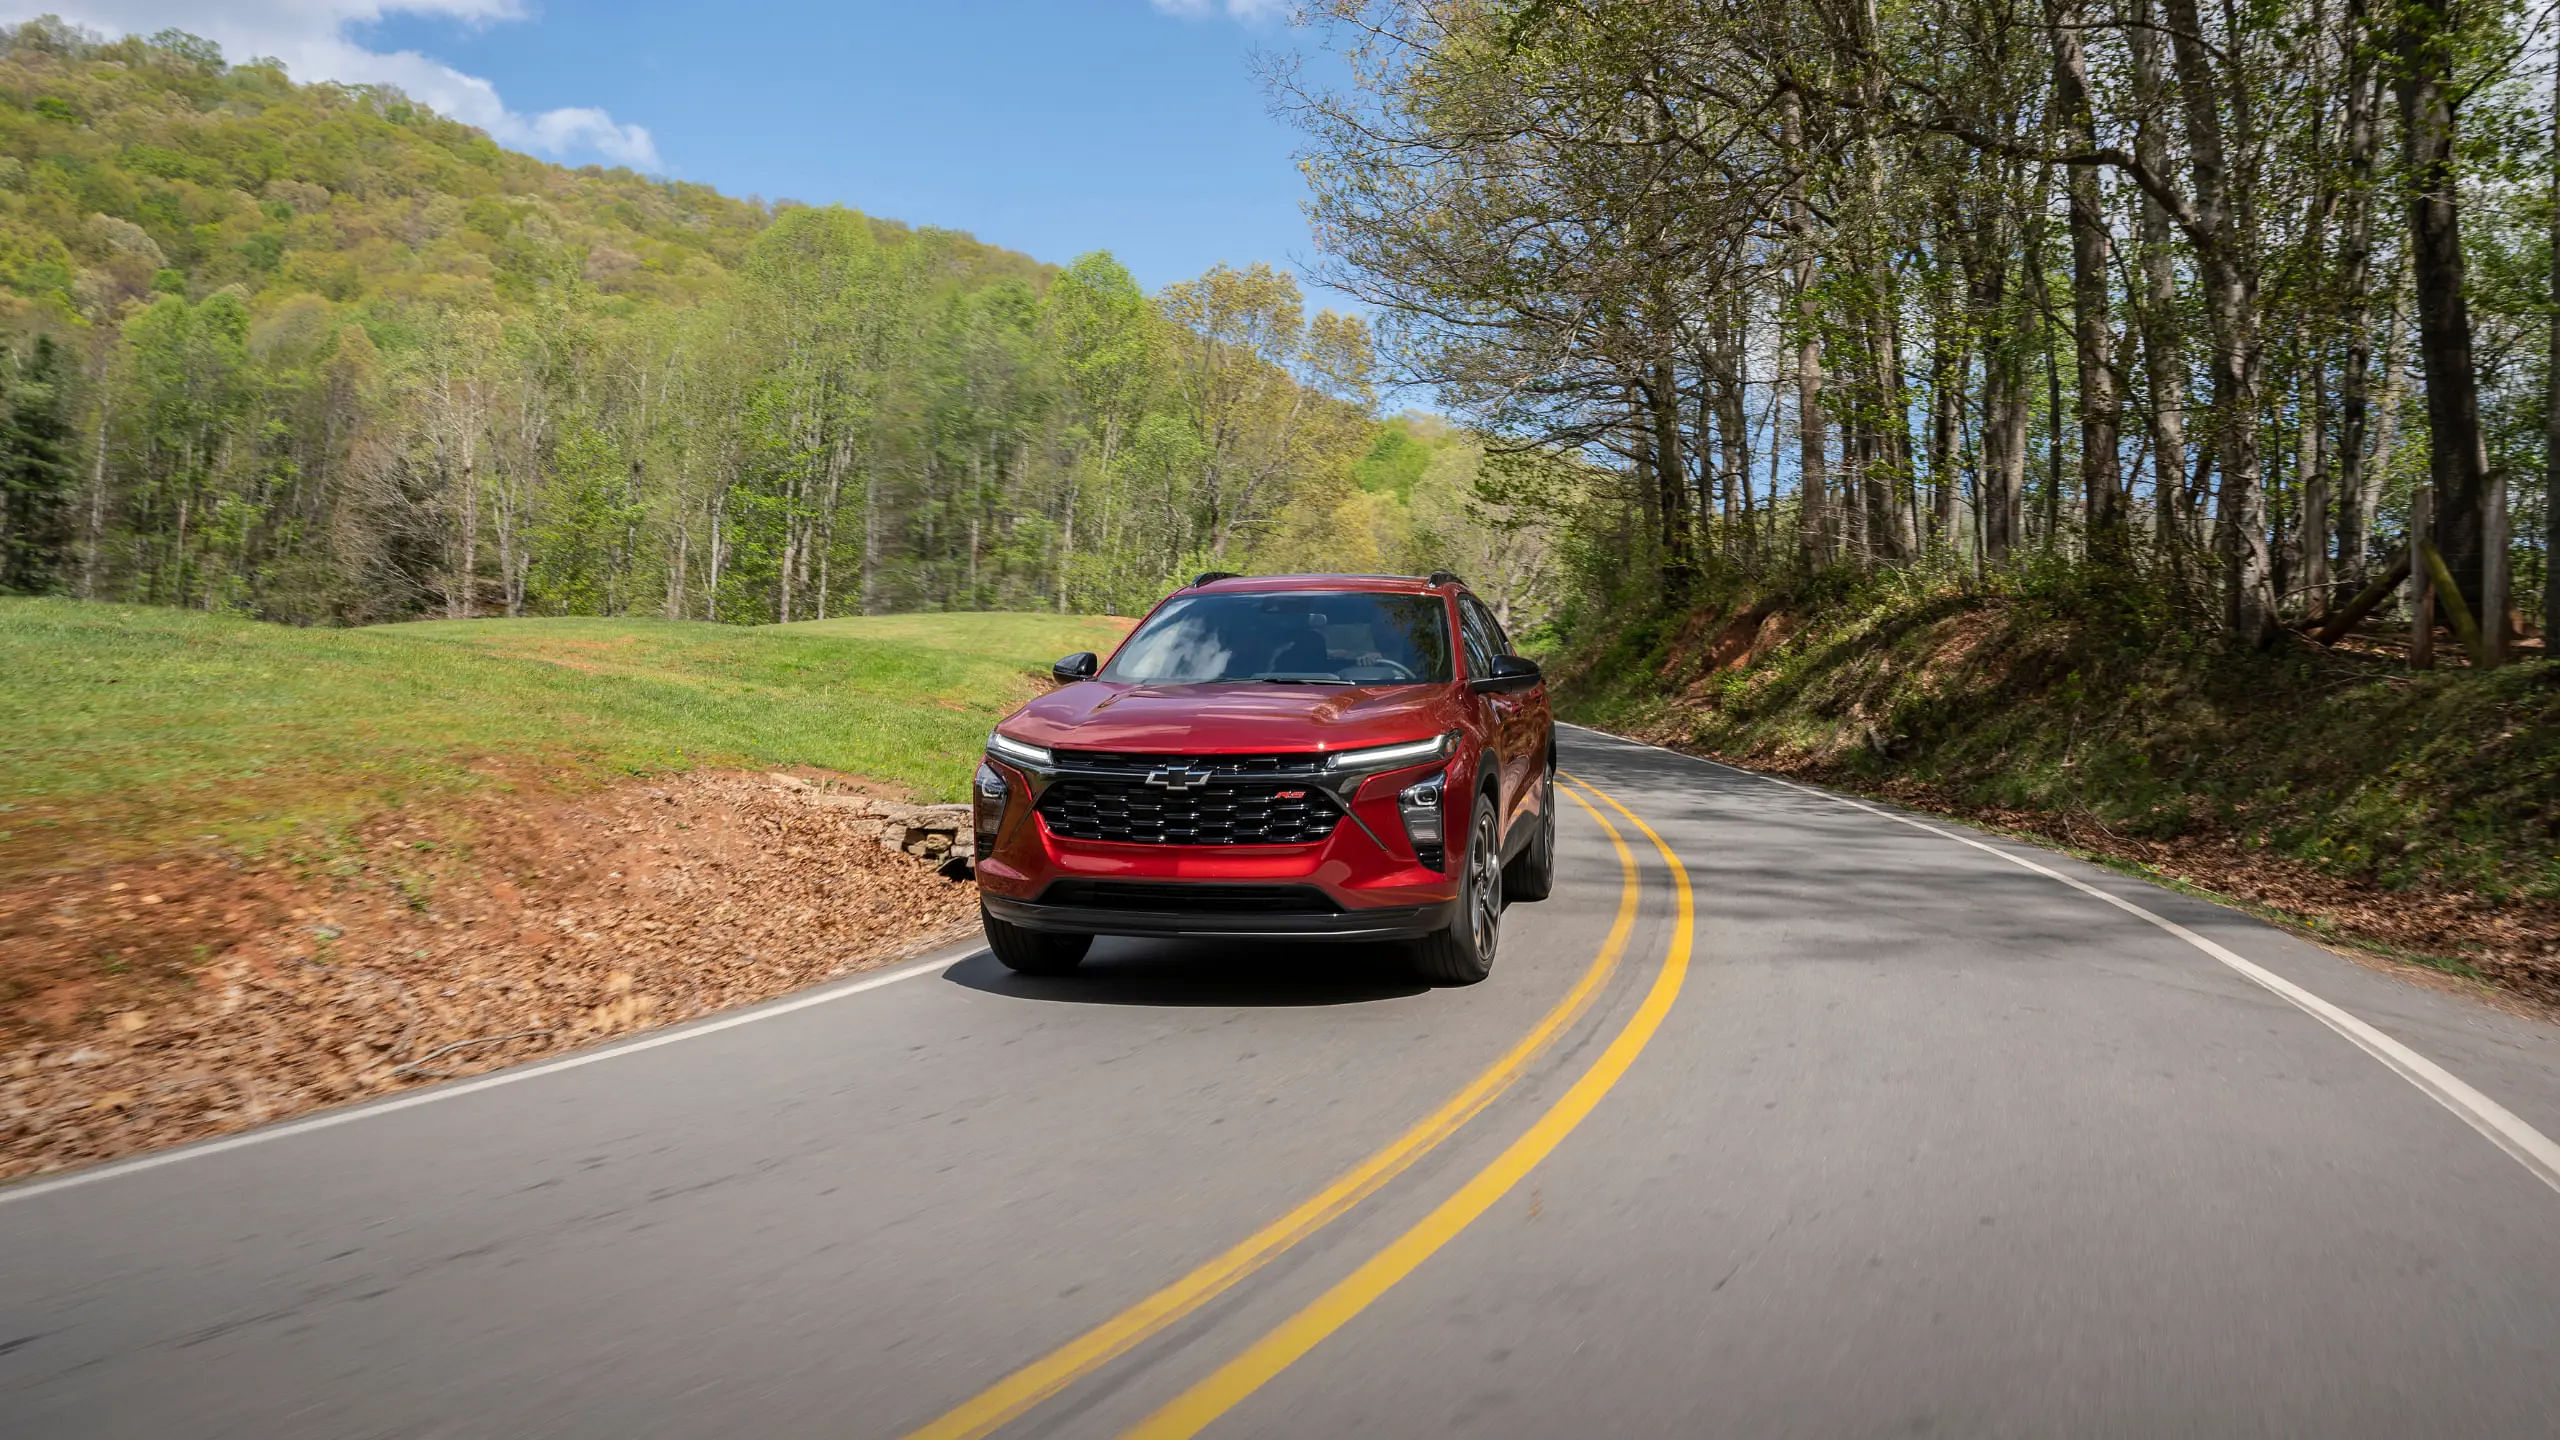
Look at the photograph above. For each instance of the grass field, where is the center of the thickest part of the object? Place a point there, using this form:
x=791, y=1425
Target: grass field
x=127, y=731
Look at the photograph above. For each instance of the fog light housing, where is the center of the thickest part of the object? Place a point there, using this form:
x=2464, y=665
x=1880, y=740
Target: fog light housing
x=1422, y=804
x=986, y=807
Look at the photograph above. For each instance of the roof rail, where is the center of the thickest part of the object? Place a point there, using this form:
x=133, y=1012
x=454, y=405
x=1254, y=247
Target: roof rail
x=1206, y=576
x=1442, y=577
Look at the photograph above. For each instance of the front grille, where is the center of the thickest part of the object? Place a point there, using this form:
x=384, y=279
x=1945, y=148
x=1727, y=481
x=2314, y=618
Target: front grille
x=1134, y=812
x=1188, y=899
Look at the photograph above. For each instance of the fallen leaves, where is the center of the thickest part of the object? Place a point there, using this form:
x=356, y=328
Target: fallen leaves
x=234, y=995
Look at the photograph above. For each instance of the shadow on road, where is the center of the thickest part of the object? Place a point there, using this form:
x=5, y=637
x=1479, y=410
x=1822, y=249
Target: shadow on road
x=1137, y=972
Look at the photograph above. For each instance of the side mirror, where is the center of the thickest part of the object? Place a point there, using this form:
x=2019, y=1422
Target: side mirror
x=1508, y=673
x=1079, y=666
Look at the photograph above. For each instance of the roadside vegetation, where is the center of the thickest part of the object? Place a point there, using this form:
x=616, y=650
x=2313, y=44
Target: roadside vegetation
x=126, y=731
x=248, y=869
x=2420, y=811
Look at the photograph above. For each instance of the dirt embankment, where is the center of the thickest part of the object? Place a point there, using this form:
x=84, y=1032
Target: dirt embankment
x=142, y=1005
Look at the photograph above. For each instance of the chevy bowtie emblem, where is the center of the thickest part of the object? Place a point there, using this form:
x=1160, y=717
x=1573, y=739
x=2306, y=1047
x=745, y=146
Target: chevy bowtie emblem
x=1181, y=779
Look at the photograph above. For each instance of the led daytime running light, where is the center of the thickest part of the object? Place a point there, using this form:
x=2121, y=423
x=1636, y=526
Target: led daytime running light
x=1380, y=757
x=1005, y=745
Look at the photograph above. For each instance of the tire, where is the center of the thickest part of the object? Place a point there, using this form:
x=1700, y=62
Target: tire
x=1531, y=875
x=1463, y=953
x=1033, y=952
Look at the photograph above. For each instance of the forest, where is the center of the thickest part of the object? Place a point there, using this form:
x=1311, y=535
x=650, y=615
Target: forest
x=2249, y=305
x=313, y=354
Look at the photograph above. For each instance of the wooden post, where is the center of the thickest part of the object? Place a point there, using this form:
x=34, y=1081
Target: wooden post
x=2493, y=571
x=2422, y=590
x=2450, y=595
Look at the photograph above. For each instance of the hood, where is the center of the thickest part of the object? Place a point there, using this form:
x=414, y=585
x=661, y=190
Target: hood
x=1232, y=719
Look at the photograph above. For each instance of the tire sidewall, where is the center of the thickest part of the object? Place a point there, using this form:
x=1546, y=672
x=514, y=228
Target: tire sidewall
x=1483, y=826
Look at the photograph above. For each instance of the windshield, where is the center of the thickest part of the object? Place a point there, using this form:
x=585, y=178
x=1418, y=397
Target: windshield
x=1303, y=636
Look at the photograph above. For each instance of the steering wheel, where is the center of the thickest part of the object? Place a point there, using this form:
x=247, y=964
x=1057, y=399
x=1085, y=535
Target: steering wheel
x=1402, y=671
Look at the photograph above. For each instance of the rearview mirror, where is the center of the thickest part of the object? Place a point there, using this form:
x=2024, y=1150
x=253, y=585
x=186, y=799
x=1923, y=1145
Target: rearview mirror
x=1079, y=666
x=1508, y=672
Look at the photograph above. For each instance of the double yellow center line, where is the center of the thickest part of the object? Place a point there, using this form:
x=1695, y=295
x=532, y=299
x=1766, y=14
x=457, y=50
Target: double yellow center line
x=1302, y=1332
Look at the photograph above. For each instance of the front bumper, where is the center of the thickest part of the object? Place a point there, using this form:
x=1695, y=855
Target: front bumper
x=1377, y=923
x=1362, y=881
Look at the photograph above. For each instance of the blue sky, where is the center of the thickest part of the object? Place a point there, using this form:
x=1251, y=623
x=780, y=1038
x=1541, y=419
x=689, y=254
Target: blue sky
x=1135, y=126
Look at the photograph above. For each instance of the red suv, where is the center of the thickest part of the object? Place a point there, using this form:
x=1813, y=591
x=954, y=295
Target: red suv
x=1321, y=757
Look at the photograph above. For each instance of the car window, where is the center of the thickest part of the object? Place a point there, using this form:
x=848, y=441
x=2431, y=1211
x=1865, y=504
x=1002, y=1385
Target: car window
x=1481, y=647
x=1313, y=636
x=1483, y=615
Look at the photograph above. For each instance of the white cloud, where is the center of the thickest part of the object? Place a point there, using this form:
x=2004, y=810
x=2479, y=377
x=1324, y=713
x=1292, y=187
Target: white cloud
x=310, y=37
x=1247, y=10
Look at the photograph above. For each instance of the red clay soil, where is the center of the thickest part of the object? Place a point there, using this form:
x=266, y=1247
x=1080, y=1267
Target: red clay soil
x=141, y=1005
x=2515, y=945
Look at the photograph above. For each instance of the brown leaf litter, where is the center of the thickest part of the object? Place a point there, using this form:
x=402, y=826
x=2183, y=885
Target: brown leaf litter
x=146, y=1004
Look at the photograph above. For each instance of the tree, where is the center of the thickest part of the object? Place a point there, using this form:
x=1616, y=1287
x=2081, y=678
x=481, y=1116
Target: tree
x=37, y=475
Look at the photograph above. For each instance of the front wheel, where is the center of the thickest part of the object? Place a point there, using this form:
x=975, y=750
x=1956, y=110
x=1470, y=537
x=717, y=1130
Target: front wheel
x=1463, y=953
x=1532, y=873
x=1033, y=952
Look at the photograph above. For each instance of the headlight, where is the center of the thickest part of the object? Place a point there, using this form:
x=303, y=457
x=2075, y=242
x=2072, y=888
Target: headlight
x=1387, y=757
x=1012, y=749
x=986, y=808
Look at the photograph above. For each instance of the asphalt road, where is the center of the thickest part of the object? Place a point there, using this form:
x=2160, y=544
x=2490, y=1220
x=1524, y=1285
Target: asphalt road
x=1897, y=1138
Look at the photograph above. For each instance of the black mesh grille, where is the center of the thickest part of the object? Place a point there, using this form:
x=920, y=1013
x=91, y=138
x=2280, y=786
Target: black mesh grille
x=1134, y=812
x=1182, y=898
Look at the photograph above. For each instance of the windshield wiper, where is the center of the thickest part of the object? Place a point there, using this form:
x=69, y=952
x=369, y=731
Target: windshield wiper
x=1300, y=680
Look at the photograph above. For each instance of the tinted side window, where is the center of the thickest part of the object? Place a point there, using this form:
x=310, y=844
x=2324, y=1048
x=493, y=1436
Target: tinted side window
x=1492, y=627
x=1478, y=635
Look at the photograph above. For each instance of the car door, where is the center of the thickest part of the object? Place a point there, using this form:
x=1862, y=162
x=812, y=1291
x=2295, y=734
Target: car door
x=1512, y=712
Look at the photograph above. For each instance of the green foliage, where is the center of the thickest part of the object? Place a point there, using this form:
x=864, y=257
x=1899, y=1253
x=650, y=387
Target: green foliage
x=126, y=731
x=1394, y=462
x=36, y=474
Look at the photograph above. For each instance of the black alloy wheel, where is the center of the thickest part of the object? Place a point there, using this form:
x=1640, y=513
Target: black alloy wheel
x=1463, y=953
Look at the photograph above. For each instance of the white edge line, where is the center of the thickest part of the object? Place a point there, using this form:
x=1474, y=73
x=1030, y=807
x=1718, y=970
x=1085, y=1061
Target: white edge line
x=2504, y=1128
x=939, y=959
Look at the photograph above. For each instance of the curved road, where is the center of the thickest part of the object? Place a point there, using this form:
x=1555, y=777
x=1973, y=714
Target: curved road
x=1897, y=1137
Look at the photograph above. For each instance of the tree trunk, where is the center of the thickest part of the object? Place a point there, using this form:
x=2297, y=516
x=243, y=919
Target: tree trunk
x=1662, y=408
x=2093, y=337
x=2551, y=411
x=2457, y=463
x=94, y=535
x=2163, y=353
x=2422, y=588
x=2312, y=465
x=1812, y=443
x=2355, y=279
x=2231, y=301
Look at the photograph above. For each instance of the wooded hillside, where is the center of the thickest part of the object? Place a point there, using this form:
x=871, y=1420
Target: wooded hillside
x=312, y=353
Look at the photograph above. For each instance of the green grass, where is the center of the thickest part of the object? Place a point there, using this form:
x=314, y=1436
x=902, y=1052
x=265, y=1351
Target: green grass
x=127, y=731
